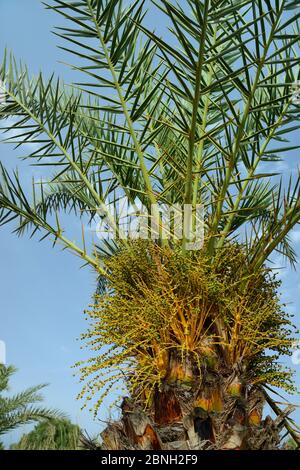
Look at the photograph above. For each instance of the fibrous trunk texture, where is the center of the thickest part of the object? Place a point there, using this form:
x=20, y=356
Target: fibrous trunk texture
x=216, y=412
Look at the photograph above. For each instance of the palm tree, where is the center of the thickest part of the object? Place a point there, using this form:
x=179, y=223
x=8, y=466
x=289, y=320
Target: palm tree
x=197, y=116
x=20, y=409
x=53, y=434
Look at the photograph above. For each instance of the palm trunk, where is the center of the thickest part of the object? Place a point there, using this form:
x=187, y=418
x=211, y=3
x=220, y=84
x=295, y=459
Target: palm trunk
x=216, y=411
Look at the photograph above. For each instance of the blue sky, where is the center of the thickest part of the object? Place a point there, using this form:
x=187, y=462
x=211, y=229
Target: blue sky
x=43, y=291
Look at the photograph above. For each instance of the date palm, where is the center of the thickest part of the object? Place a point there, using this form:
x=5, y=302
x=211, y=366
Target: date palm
x=199, y=115
x=20, y=409
x=53, y=434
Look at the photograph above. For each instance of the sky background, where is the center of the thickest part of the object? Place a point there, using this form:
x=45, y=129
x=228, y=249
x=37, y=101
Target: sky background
x=43, y=292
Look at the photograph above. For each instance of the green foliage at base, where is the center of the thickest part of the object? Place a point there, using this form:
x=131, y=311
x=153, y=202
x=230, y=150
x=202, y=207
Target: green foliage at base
x=21, y=408
x=56, y=434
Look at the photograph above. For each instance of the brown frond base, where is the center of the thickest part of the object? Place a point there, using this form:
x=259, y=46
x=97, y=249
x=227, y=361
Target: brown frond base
x=196, y=429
